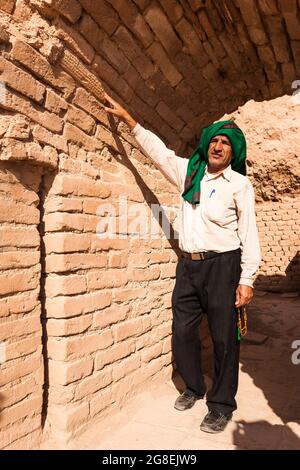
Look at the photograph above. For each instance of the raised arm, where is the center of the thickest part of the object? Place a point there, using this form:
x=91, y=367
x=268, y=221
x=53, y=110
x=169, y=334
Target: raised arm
x=173, y=167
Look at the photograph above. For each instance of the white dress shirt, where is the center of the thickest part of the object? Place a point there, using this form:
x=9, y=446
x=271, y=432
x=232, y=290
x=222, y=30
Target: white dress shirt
x=224, y=219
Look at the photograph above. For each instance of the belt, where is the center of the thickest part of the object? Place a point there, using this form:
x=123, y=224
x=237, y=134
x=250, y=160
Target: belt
x=202, y=255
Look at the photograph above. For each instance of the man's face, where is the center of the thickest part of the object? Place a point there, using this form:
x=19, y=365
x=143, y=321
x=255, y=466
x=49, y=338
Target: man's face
x=219, y=153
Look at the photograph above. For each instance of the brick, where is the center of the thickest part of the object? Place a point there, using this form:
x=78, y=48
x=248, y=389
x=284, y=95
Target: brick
x=192, y=42
x=114, y=55
x=35, y=62
x=30, y=365
x=77, y=136
x=19, y=259
x=7, y=5
x=23, y=326
x=18, y=128
x=151, y=353
x=27, y=407
x=88, y=102
x=14, y=150
x=127, y=329
x=118, y=260
x=168, y=115
x=159, y=23
x=90, y=30
x=66, y=185
x=108, y=138
x=80, y=119
x=65, y=285
x=143, y=91
x=72, y=166
x=278, y=39
x=106, y=279
x=126, y=366
x=62, y=395
x=134, y=53
x=99, y=244
x=73, y=262
x=292, y=24
x=72, y=326
x=28, y=426
x=288, y=6
x=159, y=56
x=65, y=348
x=168, y=270
x=123, y=387
x=23, y=347
x=140, y=275
x=167, y=345
x=65, y=222
x=100, y=401
x=151, y=368
x=63, y=307
x=66, y=373
x=63, y=204
x=11, y=395
x=66, y=242
x=21, y=81
x=68, y=418
x=138, y=260
x=45, y=137
x=70, y=9
x=107, y=73
x=20, y=303
x=102, y=13
x=92, y=384
x=20, y=213
x=159, y=257
x=109, y=316
x=125, y=295
x=173, y=9
x=55, y=103
x=23, y=105
x=114, y=353
x=74, y=41
x=134, y=21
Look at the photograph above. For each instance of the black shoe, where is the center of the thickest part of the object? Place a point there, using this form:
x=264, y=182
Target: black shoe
x=186, y=400
x=215, y=422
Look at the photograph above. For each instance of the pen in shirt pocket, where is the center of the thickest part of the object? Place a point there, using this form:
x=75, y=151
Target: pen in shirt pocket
x=212, y=192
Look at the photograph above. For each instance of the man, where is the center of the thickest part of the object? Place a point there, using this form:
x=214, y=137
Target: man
x=220, y=256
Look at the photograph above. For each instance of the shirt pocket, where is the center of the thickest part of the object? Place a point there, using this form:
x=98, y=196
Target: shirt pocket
x=215, y=208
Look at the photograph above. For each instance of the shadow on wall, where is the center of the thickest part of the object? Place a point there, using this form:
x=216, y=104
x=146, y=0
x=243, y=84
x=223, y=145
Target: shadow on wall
x=280, y=283
x=149, y=196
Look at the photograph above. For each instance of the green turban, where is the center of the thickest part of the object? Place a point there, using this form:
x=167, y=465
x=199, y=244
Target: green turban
x=199, y=158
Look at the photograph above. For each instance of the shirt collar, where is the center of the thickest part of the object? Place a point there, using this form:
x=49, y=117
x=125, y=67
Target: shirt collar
x=226, y=173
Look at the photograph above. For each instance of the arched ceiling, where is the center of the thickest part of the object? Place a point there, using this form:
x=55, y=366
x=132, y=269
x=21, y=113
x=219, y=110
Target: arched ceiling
x=178, y=65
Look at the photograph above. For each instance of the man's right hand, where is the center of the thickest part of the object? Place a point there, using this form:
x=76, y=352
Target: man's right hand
x=119, y=111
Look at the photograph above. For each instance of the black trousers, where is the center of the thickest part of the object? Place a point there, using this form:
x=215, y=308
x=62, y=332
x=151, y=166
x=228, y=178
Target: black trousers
x=209, y=287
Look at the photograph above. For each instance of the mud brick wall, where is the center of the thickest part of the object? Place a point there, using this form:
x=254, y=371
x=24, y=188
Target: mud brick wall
x=22, y=373
x=86, y=320
x=279, y=233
